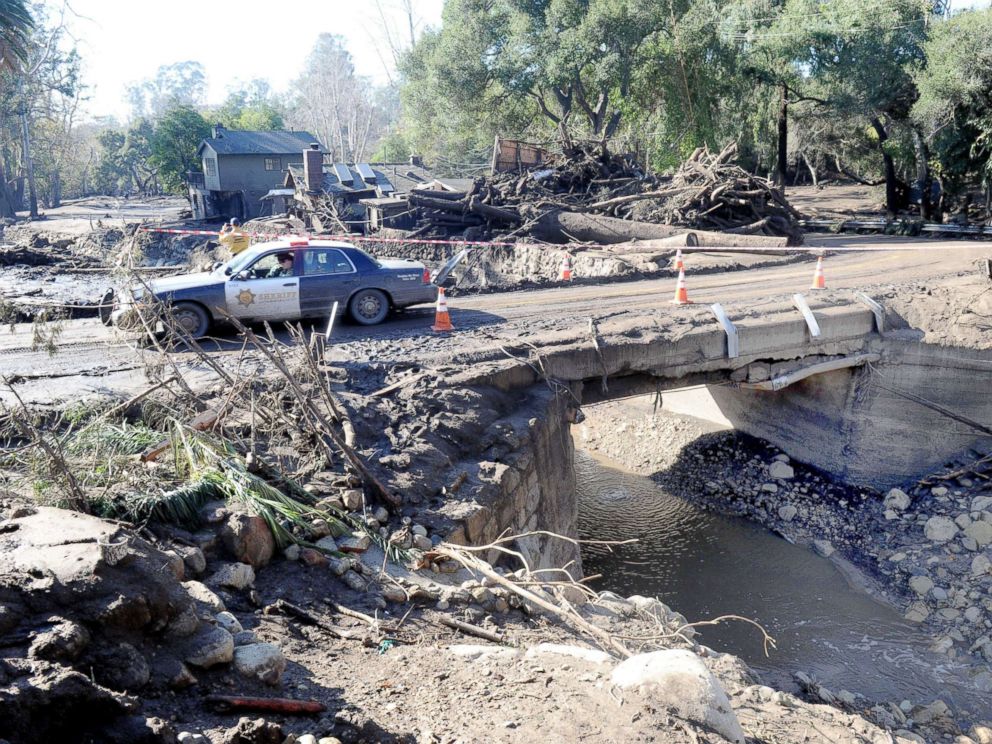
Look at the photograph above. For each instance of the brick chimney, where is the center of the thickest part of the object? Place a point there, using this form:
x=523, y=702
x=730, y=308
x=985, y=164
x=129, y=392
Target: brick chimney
x=313, y=167
x=218, y=131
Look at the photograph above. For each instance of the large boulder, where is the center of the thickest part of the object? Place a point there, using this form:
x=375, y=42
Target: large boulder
x=248, y=539
x=679, y=681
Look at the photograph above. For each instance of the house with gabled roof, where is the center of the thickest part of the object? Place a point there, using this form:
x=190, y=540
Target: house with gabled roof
x=242, y=172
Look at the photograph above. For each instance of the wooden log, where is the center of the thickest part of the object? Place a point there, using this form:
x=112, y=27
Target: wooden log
x=562, y=227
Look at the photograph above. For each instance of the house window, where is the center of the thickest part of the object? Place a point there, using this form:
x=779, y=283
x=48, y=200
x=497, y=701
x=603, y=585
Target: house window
x=272, y=164
x=210, y=165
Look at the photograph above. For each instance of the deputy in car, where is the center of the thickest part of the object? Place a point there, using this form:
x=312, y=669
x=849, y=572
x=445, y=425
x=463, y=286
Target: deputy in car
x=284, y=267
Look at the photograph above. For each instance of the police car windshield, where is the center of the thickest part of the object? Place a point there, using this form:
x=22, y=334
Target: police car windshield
x=239, y=262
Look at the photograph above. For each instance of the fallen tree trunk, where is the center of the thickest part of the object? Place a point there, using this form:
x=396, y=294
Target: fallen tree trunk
x=562, y=227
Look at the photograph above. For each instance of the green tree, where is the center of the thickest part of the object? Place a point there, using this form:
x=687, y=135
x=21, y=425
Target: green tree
x=251, y=107
x=954, y=109
x=16, y=25
x=174, y=143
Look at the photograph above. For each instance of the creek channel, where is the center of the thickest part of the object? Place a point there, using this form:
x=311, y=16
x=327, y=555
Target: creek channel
x=705, y=565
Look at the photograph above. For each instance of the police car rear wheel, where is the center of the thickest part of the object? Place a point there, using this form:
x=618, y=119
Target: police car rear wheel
x=192, y=318
x=369, y=306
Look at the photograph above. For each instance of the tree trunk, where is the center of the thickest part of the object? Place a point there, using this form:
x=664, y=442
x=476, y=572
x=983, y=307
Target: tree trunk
x=29, y=165
x=923, y=179
x=6, y=198
x=812, y=170
x=566, y=227
x=56, y=190
x=891, y=188
x=782, y=166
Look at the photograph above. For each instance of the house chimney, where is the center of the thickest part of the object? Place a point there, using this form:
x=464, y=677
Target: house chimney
x=313, y=167
x=417, y=161
x=218, y=130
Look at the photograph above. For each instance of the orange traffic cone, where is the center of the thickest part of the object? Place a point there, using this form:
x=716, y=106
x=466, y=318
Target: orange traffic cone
x=818, y=281
x=566, y=268
x=442, y=321
x=681, y=295
x=678, y=260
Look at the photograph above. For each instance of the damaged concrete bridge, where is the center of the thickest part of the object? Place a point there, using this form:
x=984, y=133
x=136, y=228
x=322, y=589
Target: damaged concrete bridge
x=840, y=382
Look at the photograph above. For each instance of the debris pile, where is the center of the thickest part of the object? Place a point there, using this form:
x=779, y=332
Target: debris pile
x=589, y=184
x=710, y=193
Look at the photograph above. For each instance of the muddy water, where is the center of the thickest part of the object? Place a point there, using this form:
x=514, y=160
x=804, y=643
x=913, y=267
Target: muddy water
x=705, y=565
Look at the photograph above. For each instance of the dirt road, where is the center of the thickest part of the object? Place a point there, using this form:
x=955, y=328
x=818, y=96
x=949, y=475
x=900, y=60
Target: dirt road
x=93, y=359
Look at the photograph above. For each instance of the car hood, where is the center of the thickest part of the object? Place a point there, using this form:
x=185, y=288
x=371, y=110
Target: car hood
x=183, y=281
x=399, y=263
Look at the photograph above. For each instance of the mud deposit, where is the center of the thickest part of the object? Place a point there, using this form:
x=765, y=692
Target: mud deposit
x=709, y=565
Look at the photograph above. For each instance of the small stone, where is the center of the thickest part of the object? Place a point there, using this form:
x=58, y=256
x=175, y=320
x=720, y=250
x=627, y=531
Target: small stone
x=190, y=738
x=787, y=513
x=228, y=622
x=338, y=566
x=917, y=612
x=483, y=596
x=354, y=581
x=312, y=557
x=209, y=647
x=962, y=520
x=262, y=660
x=981, y=565
x=393, y=593
x=248, y=539
x=938, y=491
x=981, y=734
x=204, y=597
x=356, y=542
x=981, y=503
x=897, y=499
x=781, y=470
x=234, y=576
x=422, y=542
x=921, y=584
x=328, y=544
x=769, y=488
x=980, y=532
x=319, y=528
x=307, y=739
x=419, y=529
x=973, y=614
x=292, y=553
x=245, y=638
x=823, y=547
x=940, y=529
x=353, y=499
x=64, y=642
x=196, y=562
x=329, y=740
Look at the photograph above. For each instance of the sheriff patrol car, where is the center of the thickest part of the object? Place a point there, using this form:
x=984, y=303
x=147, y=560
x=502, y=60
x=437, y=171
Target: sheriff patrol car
x=286, y=279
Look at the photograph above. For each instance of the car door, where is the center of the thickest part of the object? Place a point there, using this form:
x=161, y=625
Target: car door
x=261, y=292
x=329, y=276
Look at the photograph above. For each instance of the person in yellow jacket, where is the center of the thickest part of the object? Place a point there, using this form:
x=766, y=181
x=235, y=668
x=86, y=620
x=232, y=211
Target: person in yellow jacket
x=233, y=237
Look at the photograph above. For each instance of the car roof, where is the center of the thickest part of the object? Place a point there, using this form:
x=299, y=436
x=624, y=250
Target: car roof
x=293, y=244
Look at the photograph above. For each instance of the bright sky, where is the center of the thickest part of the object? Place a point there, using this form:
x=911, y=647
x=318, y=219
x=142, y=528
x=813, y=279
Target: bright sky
x=124, y=41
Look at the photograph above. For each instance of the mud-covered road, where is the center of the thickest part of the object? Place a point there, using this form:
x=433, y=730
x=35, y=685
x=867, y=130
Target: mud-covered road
x=93, y=359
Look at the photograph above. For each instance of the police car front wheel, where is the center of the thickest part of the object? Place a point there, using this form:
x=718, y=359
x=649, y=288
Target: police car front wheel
x=369, y=306
x=192, y=318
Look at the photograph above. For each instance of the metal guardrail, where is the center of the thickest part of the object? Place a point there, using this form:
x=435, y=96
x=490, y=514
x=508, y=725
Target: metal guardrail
x=927, y=227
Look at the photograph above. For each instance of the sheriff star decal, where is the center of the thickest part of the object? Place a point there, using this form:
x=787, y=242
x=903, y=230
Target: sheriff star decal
x=246, y=297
